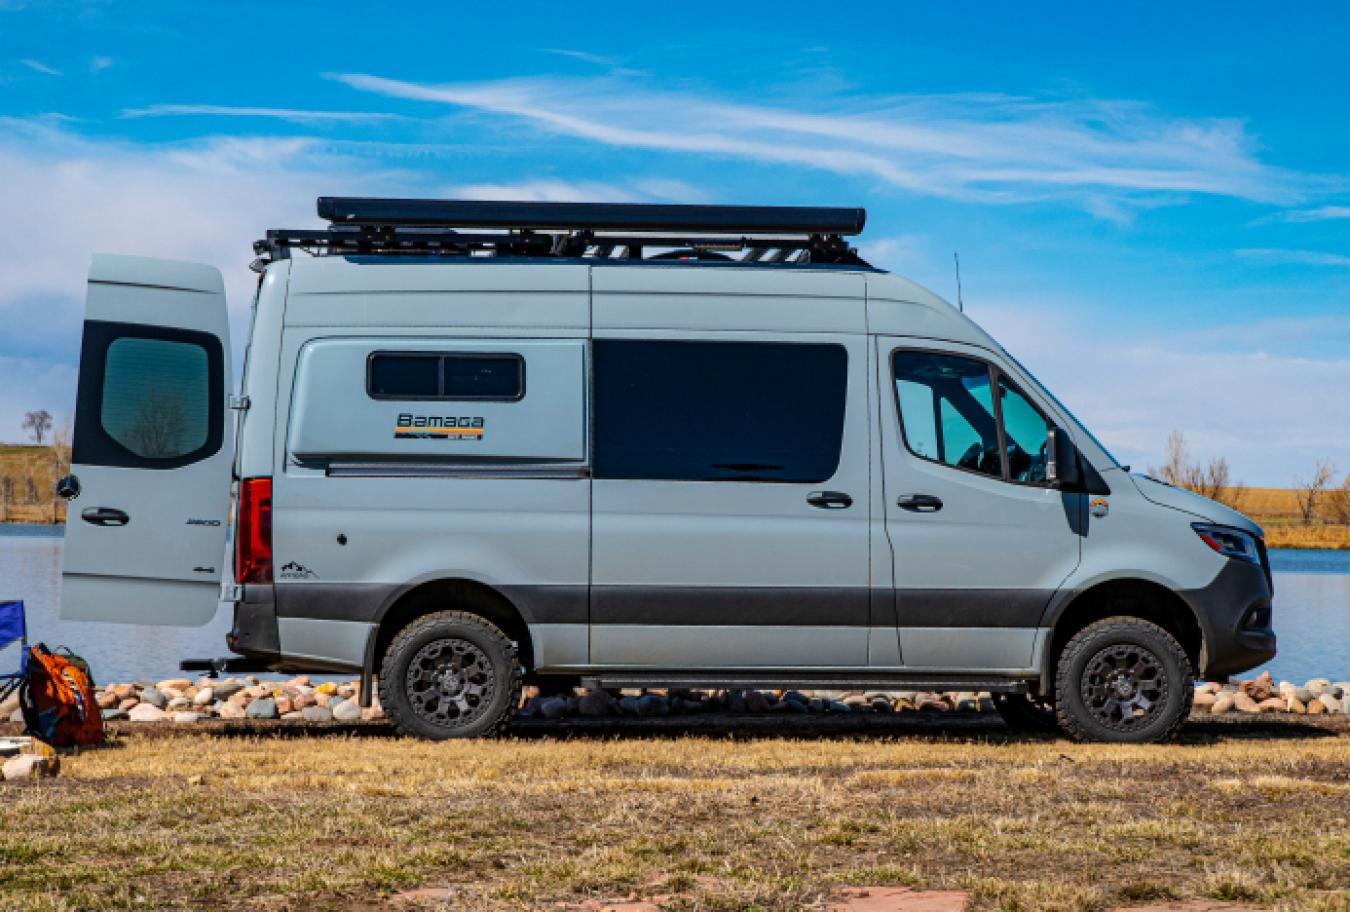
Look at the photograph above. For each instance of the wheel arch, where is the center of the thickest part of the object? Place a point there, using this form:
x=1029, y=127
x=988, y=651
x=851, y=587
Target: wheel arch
x=1130, y=596
x=438, y=594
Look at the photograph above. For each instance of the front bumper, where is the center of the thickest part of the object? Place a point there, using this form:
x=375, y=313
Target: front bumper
x=1235, y=617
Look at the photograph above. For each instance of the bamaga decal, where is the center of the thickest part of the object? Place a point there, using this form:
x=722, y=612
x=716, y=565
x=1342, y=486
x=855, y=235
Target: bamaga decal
x=437, y=427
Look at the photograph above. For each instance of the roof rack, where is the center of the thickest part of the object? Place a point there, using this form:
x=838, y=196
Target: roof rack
x=761, y=235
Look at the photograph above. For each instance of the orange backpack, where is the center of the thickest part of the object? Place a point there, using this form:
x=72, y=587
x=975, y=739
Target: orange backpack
x=58, y=699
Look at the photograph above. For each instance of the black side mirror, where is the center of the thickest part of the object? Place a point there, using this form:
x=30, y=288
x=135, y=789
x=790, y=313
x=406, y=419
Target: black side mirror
x=1062, y=467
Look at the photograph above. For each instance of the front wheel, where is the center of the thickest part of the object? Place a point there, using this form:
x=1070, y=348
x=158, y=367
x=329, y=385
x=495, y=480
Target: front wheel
x=449, y=675
x=1123, y=679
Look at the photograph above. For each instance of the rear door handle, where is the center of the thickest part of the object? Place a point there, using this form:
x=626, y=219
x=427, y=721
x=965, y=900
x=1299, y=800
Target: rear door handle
x=829, y=500
x=105, y=516
x=919, y=503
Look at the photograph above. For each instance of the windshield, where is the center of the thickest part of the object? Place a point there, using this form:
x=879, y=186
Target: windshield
x=1053, y=398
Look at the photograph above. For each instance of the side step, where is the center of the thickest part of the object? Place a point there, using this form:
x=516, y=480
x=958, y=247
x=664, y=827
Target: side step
x=735, y=681
x=225, y=665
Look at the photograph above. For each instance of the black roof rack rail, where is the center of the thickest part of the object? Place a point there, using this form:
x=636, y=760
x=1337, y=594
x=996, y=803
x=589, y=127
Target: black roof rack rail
x=764, y=235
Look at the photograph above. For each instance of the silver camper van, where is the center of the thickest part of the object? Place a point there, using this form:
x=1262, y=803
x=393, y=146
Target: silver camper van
x=480, y=444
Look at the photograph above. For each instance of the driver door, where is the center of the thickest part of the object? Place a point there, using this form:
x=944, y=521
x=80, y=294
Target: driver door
x=980, y=542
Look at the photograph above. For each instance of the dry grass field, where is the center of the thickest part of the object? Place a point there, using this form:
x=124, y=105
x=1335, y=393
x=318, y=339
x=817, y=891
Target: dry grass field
x=1276, y=509
x=22, y=464
x=346, y=822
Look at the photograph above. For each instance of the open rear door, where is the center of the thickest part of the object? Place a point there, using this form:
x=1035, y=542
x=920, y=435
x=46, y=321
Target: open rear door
x=149, y=489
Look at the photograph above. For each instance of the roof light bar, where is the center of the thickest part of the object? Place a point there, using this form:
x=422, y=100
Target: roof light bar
x=640, y=217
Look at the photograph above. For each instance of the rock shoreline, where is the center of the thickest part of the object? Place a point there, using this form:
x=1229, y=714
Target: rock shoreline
x=184, y=701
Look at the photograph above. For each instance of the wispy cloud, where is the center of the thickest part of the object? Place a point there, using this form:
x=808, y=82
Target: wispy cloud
x=1319, y=214
x=1295, y=257
x=38, y=66
x=99, y=64
x=293, y=115
x=1102, y=155
x=635, y=191
x=584, y=57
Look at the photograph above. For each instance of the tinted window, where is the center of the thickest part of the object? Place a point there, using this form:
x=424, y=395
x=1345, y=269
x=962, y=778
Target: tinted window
x=947, y=411
x=405, y=376
x=1025, y=430
x=149, y=396
x=718, y=411
x=437, y=375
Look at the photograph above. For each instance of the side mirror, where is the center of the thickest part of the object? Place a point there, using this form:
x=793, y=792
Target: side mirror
x=1062, y=467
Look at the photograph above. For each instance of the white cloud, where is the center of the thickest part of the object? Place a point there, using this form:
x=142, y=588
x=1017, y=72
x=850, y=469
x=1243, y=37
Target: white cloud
x=584, y=57
x=289, y=114
x=38, y=66
x=1319, y=214
x=99, y=64
x=1295, y=257
x=1103, y=155
x=1272, y=416
x=634, y=191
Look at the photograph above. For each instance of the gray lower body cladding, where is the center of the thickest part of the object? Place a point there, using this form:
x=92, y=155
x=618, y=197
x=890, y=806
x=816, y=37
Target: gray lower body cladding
x=1234, y=612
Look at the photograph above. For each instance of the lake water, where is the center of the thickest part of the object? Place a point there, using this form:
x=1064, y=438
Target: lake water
x=1312, y=615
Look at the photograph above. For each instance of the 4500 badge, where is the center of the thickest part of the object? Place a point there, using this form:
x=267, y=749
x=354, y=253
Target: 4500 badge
x=436, y=427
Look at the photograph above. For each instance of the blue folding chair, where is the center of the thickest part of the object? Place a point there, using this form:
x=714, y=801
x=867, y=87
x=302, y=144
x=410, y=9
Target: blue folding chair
x=13, y=629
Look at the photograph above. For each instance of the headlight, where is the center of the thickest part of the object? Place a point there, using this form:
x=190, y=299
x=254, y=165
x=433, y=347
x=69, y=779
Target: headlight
x=1229, y=542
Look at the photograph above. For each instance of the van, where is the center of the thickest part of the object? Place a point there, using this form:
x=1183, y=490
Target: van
x=484, y=444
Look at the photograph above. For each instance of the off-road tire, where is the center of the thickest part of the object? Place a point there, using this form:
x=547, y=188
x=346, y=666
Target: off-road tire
x=481, y=649
x=1132, y=650
x=1025, y=715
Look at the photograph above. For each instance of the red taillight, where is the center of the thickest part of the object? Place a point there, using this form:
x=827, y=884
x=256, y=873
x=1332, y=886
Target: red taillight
x=253, y=532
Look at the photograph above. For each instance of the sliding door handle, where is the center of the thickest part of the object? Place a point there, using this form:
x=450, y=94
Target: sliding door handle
x=919, y=503
x=105, y=516
x=829, y=500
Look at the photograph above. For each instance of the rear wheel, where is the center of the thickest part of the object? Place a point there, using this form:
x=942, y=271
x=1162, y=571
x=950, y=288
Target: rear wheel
x=1123, y=679
x=1026, y=714
x=449, y=675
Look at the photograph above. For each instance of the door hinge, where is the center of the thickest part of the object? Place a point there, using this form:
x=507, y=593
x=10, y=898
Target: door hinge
x=233, y=593
x=240, y=403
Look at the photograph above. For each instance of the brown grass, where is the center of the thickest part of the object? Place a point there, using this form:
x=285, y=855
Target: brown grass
x=19, y=462
x=206, y=821
x=1276, y=509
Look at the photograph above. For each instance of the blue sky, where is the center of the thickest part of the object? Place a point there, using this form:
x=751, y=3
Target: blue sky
x=1152, y=207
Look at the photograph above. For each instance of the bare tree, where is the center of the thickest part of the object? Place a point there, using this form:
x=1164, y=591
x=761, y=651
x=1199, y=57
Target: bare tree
x=1338, y=502
x=37, y=424
x=60, y=467
x=1311, y=491
x=159, y=423
x=30, y=489
x=6, y=496
x=1212, y=479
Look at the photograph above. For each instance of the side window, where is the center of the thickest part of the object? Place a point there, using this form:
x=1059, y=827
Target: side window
x=1025, y=430
x=149, y=397
x=445, y=375
x=957, y=427
x=719, y=411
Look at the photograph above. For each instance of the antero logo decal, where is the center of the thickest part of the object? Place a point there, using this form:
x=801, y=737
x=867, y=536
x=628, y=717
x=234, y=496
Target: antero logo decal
x=436, y=427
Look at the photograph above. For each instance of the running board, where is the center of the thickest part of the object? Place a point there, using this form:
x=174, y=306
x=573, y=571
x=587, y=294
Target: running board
x=733, y=681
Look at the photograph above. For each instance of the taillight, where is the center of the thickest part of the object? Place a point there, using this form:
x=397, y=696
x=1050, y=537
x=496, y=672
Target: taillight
x=253, y=532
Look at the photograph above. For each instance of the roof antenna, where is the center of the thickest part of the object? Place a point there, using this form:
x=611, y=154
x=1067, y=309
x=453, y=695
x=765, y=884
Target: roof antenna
x=960, y=305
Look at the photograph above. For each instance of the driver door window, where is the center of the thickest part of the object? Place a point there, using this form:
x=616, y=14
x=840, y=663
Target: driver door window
x=947, y=411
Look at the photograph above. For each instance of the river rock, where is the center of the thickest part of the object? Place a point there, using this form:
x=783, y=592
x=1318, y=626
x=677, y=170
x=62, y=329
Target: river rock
x=1204, y=700
x=154, y=697
x=316, y=714
x=105, y=699
x=1316, y=707
x=178, y=684
x=596, y=703
x=204, y=697
x=838, y=706
x=127, y=703
x=9, y=704
x=16, y=716
x=1271, y=704
x=1209, y=687
x=303, y=701
x=226, y=689
x=178, y=703
x=1330, y=702
x=757, y=701
x=1345, y=704
x=815, y=704
x=652, y=705
x=284, y=705
x=123, y=691
x=30, y=766
x=346, y=711
x=186, y=717
x=1295, y=705
x=262, y=708
x=1224, y=701
x=882, y=705
x=372, y=713
x=147, y=712
x=628, y=705
x=230, y=710
x=115, y=715
x=554, y=707
x=1318, y=686
x=1243, y=702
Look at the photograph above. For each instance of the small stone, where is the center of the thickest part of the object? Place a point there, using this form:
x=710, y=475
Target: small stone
x=1259, y=688
x=204, y=697
x=596, y=703
x=262, y=708
x=179, y=703
x=1209, y=687
x=1318, y=686
x=1271, y=704
x=185, y=717
x=303, y=701
x=178, y=684
x=346, y=691
x=652, y=705
x=1223, y=702
x=1316, y=707
x=1345, y=704
x=1204, y=699
x=839, y=706
x=327, y=687
x=123, y=691
x=231, y=710
x=1330, y=702
x=883, y=705
x=346, y=711
x=16, y=716
x=105, y=700
x=115, y=715
x=127, y=703
x=9, y=705
x=321, y=698
x=147, y=712
x=284, y=705
x=154, y=697
x=226, y=689
x=292, y=716
x=372, y=713
x=554, y=707
x=1243, y=702
x=31, y=766
x=1295, y=705
x=815, y=705
x=628, y=705
x=756, y=701
x=856, y=701
x=316, y=714
x=795, y=695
